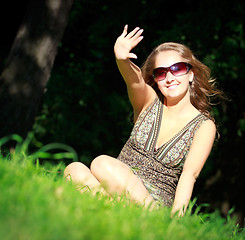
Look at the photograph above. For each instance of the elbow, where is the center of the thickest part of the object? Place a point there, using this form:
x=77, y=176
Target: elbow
x=195, y=175
x=192, y=175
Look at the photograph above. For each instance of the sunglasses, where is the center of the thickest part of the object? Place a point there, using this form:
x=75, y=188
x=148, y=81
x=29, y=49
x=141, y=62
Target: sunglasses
x=177, y=69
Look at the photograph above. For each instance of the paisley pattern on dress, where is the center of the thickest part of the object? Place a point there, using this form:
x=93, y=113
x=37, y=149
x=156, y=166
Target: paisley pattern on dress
x=158, y=169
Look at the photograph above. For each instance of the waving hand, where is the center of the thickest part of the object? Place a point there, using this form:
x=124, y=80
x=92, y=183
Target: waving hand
x=126, y=42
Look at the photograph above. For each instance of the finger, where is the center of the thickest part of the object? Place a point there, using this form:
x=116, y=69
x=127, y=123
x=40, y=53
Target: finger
x=125, y=30
x=131, y=34
x=137, y=37
x=137, y=40
x=137, y=34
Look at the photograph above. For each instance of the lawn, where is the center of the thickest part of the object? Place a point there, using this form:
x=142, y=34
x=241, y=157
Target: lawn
x=36, y=203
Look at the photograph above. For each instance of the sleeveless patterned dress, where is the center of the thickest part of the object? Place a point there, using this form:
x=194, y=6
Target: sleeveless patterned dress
x=158, y=169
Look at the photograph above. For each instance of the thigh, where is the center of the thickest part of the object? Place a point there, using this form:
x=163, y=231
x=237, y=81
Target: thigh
x=118, y=178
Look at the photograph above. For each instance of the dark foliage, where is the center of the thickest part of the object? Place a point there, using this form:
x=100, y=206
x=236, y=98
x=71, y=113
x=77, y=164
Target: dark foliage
x=29, y=64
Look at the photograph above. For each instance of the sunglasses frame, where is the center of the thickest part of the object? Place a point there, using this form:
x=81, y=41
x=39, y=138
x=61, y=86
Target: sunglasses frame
x=168, y=69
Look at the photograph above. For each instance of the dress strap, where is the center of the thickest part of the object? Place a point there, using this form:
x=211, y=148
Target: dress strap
x=155, y=128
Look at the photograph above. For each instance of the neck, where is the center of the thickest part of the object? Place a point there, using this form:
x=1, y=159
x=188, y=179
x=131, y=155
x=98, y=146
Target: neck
x=178, y=106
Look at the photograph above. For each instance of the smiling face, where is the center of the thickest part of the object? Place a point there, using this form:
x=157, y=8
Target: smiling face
x=173, y=87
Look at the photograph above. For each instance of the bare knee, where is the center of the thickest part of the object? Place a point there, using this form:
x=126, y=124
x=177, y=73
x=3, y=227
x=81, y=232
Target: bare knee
x=75, y=170
x=101, y=165
x=109, y=170
x=72, y=168
x=97, y=164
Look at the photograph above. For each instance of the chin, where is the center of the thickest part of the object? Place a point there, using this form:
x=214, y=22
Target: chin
x=176, y=96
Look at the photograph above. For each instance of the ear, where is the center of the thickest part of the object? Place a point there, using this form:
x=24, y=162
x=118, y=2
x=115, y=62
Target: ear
x=191, y=76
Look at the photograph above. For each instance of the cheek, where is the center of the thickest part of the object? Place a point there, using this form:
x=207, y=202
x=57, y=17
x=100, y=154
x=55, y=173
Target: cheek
x=160, y=84
x=161, y=87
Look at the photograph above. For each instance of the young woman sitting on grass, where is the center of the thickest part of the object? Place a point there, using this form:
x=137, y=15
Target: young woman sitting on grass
x=173, y=132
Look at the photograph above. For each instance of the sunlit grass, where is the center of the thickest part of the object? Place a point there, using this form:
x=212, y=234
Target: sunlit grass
x=36, y=203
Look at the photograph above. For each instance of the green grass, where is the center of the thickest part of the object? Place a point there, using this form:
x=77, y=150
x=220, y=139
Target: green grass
x=36, y=203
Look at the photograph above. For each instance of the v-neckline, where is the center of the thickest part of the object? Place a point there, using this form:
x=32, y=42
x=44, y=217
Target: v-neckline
x=158, y=127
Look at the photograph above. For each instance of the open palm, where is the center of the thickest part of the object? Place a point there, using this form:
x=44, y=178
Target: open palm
x=126, y=42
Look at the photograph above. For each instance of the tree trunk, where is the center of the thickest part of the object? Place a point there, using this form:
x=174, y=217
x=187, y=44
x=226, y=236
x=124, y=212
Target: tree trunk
x=28, y=67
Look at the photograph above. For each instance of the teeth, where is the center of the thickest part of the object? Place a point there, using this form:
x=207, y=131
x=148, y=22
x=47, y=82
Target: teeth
x=172, y=87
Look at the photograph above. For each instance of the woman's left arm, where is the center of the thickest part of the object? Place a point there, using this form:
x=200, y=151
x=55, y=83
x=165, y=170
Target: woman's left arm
x=197, y=156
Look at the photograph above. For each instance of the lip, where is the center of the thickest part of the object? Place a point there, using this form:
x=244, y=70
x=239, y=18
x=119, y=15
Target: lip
x=173, y=86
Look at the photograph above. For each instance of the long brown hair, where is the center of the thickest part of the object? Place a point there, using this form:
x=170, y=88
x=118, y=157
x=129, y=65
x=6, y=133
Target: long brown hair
x=202, y=89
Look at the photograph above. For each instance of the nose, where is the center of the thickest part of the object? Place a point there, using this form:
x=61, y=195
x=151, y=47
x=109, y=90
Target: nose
x=169, y=77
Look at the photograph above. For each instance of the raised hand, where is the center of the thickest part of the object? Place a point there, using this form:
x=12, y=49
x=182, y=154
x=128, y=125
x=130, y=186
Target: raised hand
x=126, y=42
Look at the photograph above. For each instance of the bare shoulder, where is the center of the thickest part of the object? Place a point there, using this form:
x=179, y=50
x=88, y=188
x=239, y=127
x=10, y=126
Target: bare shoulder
x=208, y=125
x=206, y=130
x=202, y=143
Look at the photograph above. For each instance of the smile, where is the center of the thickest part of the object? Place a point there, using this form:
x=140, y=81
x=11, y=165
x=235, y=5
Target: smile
x=173, y=86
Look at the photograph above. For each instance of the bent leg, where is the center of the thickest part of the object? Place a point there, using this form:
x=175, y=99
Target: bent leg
x=118, y=178
x=82, y=177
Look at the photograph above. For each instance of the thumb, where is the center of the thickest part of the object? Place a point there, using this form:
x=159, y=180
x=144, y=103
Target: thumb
x=132, y=55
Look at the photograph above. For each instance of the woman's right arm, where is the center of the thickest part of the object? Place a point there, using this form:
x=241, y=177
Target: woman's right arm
x=140, y=94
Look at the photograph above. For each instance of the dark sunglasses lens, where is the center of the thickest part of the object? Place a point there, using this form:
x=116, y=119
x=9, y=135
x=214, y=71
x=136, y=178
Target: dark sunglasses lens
x=179, y=69
x=159, y=74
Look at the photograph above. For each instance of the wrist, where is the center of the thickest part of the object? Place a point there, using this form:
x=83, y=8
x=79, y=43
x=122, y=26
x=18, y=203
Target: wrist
x=122, y=60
